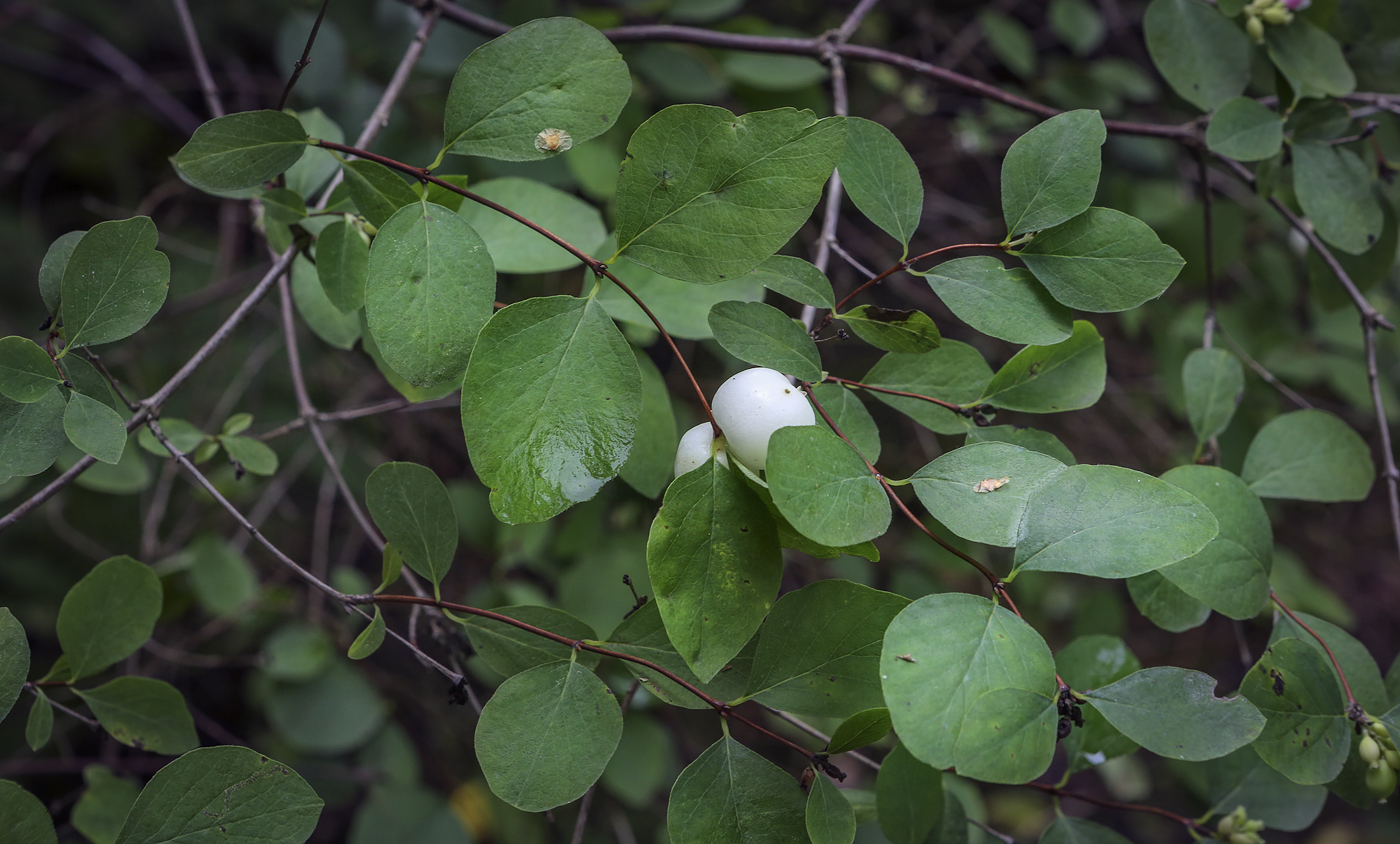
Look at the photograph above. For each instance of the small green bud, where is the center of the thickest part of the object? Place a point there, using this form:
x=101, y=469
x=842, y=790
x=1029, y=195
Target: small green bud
x=1369, y=750
x=1379, y=730
x=1276, y=15
x=1255, y=28
x=1392, y=758
x=1380, y=780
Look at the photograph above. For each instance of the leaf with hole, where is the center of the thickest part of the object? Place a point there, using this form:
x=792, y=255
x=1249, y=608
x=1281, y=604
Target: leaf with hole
x=1174, y=712
x=1307, y=735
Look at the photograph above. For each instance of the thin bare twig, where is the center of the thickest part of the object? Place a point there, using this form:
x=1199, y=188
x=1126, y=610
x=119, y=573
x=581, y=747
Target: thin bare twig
x=587, y=802
x=300, y=64
x=201, y=64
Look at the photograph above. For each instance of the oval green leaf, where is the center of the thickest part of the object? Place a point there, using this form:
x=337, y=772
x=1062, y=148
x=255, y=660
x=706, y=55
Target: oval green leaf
x=796, y=279
x=850, y=415
x=14, y=660
x=114, y=282
x=1307, y=737
x=342, y=264
x=1202, y=55
x=1049, y=379
x=823, y=487
x=1231, y=573
x=1334, y=189
x=1311, y=59
x=981, y=491
x=731, y=795
x=1005, y=303
x=411, y=506
x=24, y=816
x=95, y=428
x=241, y=150
x=653, y=454
x=1051, y=173
x=882, y=179
x=509, y=650
x=1246, y=130
x=1102, y=261
x=143, y=713
x=31, y=435
x=863, y=728
x=108, y=614
x=334, y=712
x=1213, y=382
x=765, y=336
x=908, y=797
x=27, y=373
x=1309, y=455
x=1174, y=713
x=327, y=321
x=38, y=728
x=377, y=191
x=516, y=248
x=370, y=638
x=905, y=332
x=830, y=818
x=683, y=308
x=1009, y=736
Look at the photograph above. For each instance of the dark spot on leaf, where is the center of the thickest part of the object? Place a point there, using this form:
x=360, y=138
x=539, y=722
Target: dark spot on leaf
x=1033, y=370
x=743, y=530
x=889, y=316
x=1278, y=681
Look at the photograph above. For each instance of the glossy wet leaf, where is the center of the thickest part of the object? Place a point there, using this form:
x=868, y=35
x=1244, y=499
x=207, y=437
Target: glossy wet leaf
x=108, y=614
x=113, y=283
x=1174, y=712
x=1202, y=55
x=231, y=794
x=369, y=639
x=1311, y=59
x=941, y=654
x=31, y=435
x=515, y=248
x=1005, y=303
x=649, y=464
x=549, y=405
x=714, y=561
x=24, y=816
x=1231, y=573
x=1049, y=379
x=546, y=735
x=14, y=660
x=1109, y=521
x=863, y=728
x=342, y=265
x=908, y=797
x=881, y=179
x=509, y=650
x=957, y=489
x=830, y=818
x=796, y=279
x=1102, y=261
x=1333, y=187
x=1050, y=173
x=551, y=73
x=377, y=191
x=1307, y=736
x=823, y=487
x=430, y=291
x=731, y=795
x=143, y=713
x=1309, y=455
x=1213, y=381
x=102, y=809
x=1245, y=130
x=954, y=372
x=905, y=332
x=850, y=415
x=95, y=428
x=27, y=373
x=765, y=336
x=643, y=634
x=683, y=308
x=411, y=506
x=706, y=195
x=241, y=150
x=819, y=649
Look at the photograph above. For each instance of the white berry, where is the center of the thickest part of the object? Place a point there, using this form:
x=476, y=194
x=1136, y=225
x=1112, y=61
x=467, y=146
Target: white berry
x=695, y=448
x=750, y=406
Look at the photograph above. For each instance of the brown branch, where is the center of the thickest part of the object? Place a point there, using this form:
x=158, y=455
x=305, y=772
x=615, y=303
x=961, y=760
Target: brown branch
x=201, y=64
x=956, y=408
x=899, y=267
x=300, y=64
x=1193, y=826
x=1390, y=472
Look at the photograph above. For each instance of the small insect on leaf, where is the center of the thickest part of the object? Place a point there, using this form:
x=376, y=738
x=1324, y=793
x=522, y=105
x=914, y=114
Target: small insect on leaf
x=907, y=657
x=553, y=140
x=991, y=484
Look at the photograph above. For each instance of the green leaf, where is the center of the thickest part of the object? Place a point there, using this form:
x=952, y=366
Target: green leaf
x=819, y=649
x=643, y=634
x=1174, y=713
x=1027, y=438
x=1309, y=455
x=1334, y=190
x=1165, y=604
x=773, y=71
x=1311, y=59
x=714, y=561
x=317, y=164
x=795, y=279
x=706, y=196
x=108, y=614
x=296, y=652
x=981, y=491
x=1213, y=382
x=24, y=816
x=1085, y=663
x=232, y=794
x=830, y=818
x=1005, y=303
x=342, y=265
x=102, y=809
x=241, y=150
x=1102, y=261
x=114, y=282
x=182, y=434
x=1307, y=736
x=514, y=247
x=731, y=795
x=552, y=73
x=431, y=289
x=51, y=270
x=95, y=428
x=27, y=373
x=1109, y=521
x=14, y=660
x=1231, y=573
x=823, y=487
x=254, y=456
x=1077, y=24
x=1049, y=379
x=1010, y=41
x=508, y=650
x=31, y=435
x=954, y=372
x=143, y=713
x=407, y=811
x=284, y=206
x=908, y=797
x=339, y=329
x=411, y=506
x=237, y=424
x=905, y=332
x=648, y=465
x=1363, y=675
x=1012, y=738
x=683, y=308
x=546, y=735
x=1243, y=779
x=765, y=336
x=333, y=712
x=1065, y=830
x=1202, y=55
x=390, y=567
x=882, y=179
x=370, y=638
x=850, y=415
x=945, y=651
x=1246, y=130
x=377, y=191
x=39, y=726
x=220, y=576
x=1050, y=173
x=863, y=728
x=549, y=405
x=644, y=763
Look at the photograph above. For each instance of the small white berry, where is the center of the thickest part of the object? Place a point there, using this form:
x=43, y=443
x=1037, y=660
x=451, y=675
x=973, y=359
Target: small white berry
x=695, y=449
x=750, y=406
